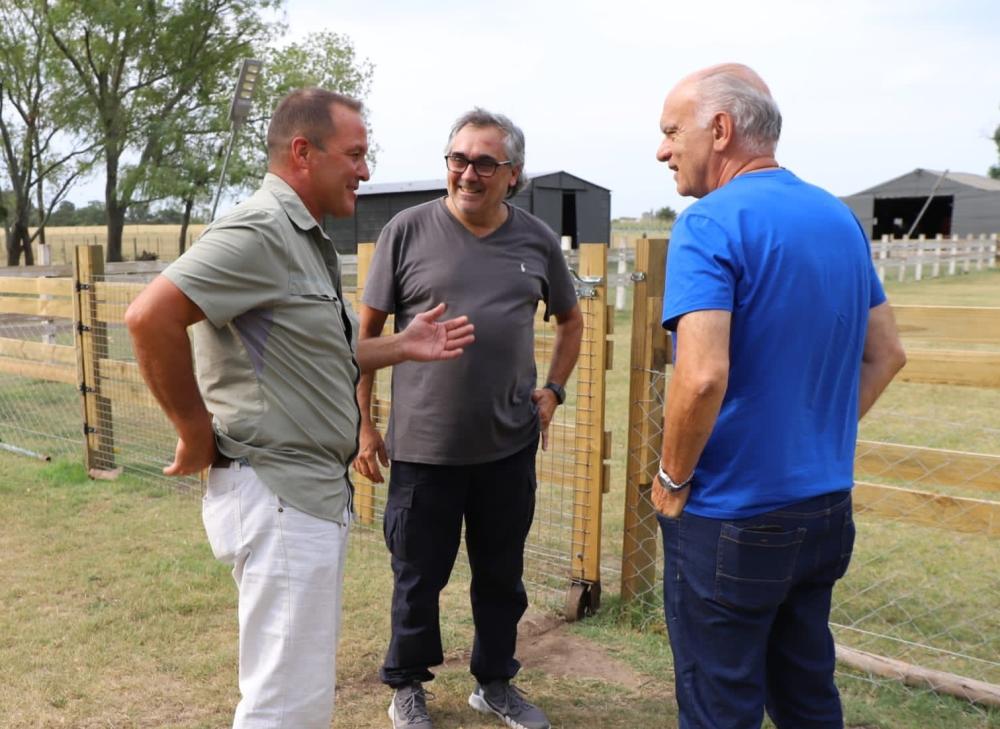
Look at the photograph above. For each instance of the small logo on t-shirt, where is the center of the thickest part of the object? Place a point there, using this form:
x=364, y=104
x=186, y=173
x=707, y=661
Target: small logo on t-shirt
x=523, y=269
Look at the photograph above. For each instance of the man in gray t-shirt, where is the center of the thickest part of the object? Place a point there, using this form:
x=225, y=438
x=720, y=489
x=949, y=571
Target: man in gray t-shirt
x=463, y=434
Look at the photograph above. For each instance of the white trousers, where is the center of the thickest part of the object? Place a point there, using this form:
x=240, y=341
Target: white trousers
x=289, y=571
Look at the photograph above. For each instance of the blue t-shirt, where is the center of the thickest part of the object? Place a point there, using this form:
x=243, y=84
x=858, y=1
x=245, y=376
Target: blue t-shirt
x=793, y=266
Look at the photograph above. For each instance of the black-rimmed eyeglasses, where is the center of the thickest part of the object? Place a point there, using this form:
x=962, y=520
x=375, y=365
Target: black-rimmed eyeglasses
x=484, y=166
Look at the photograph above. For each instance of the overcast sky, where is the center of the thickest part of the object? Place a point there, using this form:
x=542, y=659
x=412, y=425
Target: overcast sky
x=869, y=89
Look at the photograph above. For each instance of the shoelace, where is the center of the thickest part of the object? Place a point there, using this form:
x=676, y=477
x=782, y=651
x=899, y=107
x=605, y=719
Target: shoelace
x=414, y=705
x=515, y=699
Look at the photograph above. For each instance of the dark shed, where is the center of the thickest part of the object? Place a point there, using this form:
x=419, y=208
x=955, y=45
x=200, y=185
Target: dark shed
x=962, y=204
x=570, y=205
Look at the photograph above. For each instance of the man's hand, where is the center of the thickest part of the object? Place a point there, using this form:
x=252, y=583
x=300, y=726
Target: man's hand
x=371, y=452
x=426, y=339
x=193, y=454
x=669, y=503
x=546, y=402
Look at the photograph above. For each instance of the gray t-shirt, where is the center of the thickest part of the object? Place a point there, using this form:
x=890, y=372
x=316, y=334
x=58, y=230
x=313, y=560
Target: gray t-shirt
x=477, y=408
x=275, y=356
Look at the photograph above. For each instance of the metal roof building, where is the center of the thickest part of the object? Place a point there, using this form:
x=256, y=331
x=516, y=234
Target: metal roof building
x=571, y=206
x=961, y=203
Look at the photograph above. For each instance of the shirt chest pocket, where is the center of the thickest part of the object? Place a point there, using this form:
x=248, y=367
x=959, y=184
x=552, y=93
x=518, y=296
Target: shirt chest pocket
x=315, y=306
x=315, y=289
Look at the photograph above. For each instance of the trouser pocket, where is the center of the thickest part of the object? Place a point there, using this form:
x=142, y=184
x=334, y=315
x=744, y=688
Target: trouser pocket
x=755, y=565
x=220, y=513
x=397, y=511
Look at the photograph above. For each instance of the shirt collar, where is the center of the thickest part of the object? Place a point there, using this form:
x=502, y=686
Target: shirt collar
x=291, y=203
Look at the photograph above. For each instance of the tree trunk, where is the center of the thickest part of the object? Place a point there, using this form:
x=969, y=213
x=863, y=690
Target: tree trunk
x=115, y=211
x=185, y=221
x=40, y=195
x=116, y=225
x=19, y=241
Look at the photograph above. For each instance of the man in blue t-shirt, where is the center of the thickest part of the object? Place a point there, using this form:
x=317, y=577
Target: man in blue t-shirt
x=783, y=339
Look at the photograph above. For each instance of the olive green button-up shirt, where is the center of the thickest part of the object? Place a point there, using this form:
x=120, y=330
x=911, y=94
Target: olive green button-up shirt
x=275, y=356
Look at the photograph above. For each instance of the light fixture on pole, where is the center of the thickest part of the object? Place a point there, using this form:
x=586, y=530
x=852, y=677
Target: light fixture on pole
x=239, y=110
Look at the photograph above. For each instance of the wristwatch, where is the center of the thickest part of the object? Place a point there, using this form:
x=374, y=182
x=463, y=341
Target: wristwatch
x=669, y=484
x=557, y=389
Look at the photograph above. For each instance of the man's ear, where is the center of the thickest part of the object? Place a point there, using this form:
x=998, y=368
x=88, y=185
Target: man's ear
x=722, y=131
x=515, y=176
x=300, y=149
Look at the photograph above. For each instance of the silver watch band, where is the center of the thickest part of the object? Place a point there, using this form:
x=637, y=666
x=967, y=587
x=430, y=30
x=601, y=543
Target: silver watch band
x=669, y=484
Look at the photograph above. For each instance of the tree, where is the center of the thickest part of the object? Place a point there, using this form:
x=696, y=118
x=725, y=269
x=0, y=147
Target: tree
x=995, y=169
x=34, y=108
x=666, y=213
x=323, y=59
x=192, y=161
x=144, y=68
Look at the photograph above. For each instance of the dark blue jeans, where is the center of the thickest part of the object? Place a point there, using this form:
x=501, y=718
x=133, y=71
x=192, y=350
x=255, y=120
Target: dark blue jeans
x=747, y=604
x=423, y=527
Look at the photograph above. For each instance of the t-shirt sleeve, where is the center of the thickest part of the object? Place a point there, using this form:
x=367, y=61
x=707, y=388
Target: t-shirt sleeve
x=380, y=286
x=561, y=294
x=232, y=269
x=701, y=269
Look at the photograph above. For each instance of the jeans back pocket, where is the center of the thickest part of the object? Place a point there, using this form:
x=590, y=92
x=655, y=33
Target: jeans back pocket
x=755, y=565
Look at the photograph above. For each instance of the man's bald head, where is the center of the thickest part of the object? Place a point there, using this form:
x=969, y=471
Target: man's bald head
x=741, y=93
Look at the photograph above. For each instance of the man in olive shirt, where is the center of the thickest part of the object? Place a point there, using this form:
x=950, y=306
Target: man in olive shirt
x=463, y=436
x=276, y=416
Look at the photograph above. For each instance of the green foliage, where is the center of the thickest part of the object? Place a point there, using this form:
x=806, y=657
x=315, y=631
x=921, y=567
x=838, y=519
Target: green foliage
x=666, y=213
x=995, y=169
x=322, y=59
x=34, y=108
x=151, y=76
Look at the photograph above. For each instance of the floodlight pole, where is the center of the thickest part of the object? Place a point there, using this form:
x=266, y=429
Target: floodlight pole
x=239, y=109
x=927, y=204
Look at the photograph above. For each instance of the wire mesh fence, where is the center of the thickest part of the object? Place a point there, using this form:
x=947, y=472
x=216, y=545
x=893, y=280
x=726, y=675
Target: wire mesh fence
x=102, y=407
x=918, y=604
x=562, y=555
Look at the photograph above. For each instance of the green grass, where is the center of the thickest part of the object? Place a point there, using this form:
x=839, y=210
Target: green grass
x=978, y=288
x=116, y=615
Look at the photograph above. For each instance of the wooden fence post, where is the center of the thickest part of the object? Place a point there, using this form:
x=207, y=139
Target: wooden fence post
x=953, y=259
x=364, y=490
x=649, y=356
x=918, y=271
x=91, y=348
x=936, y=271
x=584, y=593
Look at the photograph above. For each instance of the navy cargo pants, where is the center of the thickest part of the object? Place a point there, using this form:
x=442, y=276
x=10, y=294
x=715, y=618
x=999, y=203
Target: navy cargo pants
x=423, y=526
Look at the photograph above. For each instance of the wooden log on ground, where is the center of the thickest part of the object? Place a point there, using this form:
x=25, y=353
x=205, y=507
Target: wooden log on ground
x=969, y=689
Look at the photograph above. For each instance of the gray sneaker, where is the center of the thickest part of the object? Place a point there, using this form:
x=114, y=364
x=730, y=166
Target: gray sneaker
x=504, y=699
x=408, y=709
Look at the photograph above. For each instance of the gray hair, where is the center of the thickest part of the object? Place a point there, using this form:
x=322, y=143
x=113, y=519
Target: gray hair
x=738, y=91
x=513, y=142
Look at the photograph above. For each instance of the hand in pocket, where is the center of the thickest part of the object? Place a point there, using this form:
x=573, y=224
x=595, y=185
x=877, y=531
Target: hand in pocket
x=669, y=503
